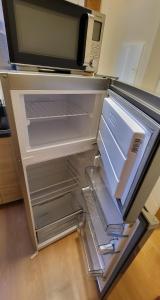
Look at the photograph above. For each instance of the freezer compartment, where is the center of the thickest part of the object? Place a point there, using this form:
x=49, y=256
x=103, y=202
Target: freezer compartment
x=49, y=132
x=60, y=118
x=107, y=208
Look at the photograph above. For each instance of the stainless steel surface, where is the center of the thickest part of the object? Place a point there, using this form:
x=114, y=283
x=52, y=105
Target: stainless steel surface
x=38, y=81
x=146, y=187
x=143, y=99
x=29, y=214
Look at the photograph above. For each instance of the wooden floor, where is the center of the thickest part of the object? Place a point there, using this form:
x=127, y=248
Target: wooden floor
x=58, y=273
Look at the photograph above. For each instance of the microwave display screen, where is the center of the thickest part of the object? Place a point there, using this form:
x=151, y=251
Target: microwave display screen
x=97, y=31
x=46, y=32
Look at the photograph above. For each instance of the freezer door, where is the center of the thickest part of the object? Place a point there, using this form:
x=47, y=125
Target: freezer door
x=128, y=142
x=145, y=225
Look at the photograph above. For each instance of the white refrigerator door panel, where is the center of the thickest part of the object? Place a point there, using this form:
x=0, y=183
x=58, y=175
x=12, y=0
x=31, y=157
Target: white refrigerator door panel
x=122, y=137
x=114, y=152
x=122, y=125
x=110, y=179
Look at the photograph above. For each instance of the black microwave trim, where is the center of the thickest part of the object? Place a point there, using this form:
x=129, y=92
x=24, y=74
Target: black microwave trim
x=63, y=6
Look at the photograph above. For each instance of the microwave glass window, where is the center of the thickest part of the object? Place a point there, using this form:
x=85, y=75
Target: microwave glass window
x=41, y=31
x=97, y=31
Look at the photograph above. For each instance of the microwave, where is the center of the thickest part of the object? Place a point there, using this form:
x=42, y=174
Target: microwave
x=54, y=34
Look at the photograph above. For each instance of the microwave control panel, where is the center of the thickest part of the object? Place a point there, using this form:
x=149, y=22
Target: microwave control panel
x=94, y=40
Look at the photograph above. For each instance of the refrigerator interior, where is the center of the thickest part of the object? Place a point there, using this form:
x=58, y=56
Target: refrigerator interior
x=69, y=193
x=75, y=191
x=59, y=118
x=55, y=193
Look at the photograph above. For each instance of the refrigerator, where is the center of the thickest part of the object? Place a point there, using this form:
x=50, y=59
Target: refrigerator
x=88, y=156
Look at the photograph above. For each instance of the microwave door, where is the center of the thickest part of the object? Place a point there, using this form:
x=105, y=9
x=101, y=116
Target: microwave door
x=50, y=38
x=128, y=138
x=142, y=229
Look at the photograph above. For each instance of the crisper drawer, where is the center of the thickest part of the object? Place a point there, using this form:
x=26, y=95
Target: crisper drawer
x=57, y=215
x=52, y=230
x=56, y=209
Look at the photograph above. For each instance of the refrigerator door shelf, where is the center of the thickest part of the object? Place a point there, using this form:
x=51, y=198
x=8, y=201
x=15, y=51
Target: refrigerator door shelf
x=98, y=260
x=108, y=211
x=105, y=243
x=93, y=261
x=141, y=231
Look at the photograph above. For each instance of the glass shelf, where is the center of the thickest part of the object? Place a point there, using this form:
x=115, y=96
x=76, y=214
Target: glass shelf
x=38, y=111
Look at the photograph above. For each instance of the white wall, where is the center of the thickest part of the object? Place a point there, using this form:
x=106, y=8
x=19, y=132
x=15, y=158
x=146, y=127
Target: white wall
x=151, y=79
x=128, y=21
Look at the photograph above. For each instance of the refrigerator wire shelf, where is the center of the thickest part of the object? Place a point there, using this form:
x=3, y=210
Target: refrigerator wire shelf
x=57, y=108
x=60, y=209
x=53, y=191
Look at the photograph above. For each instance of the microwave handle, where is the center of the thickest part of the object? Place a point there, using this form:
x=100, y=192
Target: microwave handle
x=85, y=39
